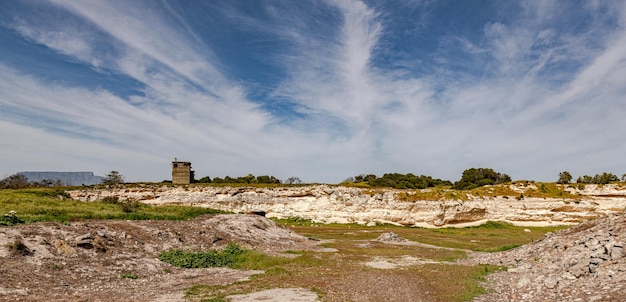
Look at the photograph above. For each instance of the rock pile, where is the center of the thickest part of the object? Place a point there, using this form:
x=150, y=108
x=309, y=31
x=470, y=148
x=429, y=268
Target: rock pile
x=390, y=237
x=585, y=262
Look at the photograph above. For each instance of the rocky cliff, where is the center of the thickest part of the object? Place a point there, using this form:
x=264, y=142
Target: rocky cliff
x=337, y=204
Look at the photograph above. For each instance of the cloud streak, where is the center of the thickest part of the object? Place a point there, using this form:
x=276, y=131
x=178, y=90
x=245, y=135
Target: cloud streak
x=527, y=94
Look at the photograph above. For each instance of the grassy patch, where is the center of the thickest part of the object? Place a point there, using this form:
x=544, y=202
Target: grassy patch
x=226, y=257
x=491, y=236
x=129, y=276
x=536, y=190
x=51, y=204
x=456, y=282
x=231, y=256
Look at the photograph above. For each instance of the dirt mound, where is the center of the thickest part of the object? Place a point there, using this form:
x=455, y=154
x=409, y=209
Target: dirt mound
x=585, y=262
x=117, y=260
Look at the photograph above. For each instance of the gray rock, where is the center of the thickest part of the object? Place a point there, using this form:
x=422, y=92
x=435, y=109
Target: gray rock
x=390, y=237
x=83, y=237
x=84, y=241
x=550, y=282
x=617, y=253
x=580, y=269
x=523, y=282
x=592, y=242
x=86, y=244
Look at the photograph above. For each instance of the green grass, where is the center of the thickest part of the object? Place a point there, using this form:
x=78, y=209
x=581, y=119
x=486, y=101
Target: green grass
x=489, y=237
x=226, y=257
x=456, y=282
x=50, y=204
x=129, y=276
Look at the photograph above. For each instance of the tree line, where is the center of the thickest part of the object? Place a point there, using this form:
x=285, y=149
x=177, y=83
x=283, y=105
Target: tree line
x=249, y=179
x=471, y=178
x=600, y=179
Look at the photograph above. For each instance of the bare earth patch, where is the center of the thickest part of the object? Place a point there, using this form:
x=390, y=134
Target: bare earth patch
x=277, y=295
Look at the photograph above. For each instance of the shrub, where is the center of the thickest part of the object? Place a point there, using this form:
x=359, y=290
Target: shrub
x=10, y=219
x=226, y=257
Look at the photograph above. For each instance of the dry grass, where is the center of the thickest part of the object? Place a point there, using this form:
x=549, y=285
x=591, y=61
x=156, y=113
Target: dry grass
x=519, y=191
x=343, y=276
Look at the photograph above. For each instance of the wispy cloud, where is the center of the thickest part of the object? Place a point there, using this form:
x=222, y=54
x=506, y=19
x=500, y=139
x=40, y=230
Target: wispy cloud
x=532, y=91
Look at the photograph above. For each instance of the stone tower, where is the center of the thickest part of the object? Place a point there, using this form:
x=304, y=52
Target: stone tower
x=181, y=172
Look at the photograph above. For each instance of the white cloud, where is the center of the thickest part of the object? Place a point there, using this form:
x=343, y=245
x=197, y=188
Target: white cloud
x=522, y=113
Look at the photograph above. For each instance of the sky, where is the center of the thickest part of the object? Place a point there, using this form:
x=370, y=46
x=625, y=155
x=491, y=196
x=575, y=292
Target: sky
x=321, y=90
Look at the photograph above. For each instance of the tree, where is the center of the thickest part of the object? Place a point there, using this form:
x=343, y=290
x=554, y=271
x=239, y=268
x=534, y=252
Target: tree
x=293, y=180
x=15, y=181
x=205, y=179
x=113, y=178
x=600, y=179
x=267, y=179
x=564, y=178
x=478, y=177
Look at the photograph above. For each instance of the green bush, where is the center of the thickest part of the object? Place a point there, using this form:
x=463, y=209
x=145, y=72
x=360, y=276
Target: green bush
x=226, y=257
x=10, y=219
x=400, y=181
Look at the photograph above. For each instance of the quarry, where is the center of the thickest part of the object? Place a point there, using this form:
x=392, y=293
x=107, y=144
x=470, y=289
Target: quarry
x=325, y=243
x=339, y=204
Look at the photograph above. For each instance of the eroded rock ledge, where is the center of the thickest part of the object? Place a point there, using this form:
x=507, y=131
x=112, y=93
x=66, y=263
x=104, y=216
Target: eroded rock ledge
x=337, y=204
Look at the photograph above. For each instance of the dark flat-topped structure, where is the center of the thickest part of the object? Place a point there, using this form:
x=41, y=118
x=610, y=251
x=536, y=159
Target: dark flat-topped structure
x=181, y=172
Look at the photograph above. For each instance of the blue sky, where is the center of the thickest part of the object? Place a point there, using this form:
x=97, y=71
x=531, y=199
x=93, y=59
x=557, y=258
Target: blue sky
x=322, y=90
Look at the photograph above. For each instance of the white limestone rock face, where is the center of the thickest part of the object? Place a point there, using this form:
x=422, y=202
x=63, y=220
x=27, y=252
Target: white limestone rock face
x=336, y=204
